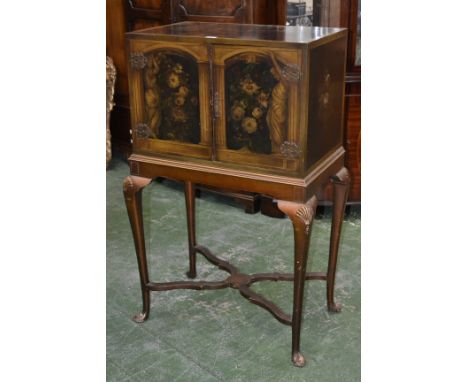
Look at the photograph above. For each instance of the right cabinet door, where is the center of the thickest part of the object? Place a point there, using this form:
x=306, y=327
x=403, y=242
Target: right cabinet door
x=256, y=101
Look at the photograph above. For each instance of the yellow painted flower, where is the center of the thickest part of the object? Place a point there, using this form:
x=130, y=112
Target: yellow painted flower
x=173, y=80
x=179, y=101
x=249, y=87
x=237, y=113
x=178, y=68
x=178, y=114
x=183, y=91
x=257, y=112
x=249, y=125
x=242, y=103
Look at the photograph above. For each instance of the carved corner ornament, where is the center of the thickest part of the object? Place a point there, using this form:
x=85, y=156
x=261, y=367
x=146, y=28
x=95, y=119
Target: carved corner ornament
x=288, y=72
x=132, y=184
x=138, y=60
x=305, y=214
x=291, y=72
x=290, y=150
x=341, y=177
x=301, y=214
x=128, y=187
x=143, y=131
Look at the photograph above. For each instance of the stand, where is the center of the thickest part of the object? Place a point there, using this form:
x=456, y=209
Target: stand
x=301, y=216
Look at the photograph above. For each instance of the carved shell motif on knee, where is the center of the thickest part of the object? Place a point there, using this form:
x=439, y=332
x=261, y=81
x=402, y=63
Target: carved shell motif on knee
x=152, y=96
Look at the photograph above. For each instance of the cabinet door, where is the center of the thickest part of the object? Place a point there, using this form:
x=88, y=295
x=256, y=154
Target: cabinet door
x=256, y=106
x=170, y=98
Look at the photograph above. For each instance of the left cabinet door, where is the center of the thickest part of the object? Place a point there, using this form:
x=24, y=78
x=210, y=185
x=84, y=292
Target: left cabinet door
x=170, y=98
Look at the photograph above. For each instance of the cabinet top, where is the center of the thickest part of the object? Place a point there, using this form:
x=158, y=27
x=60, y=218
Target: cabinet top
x=225, y=32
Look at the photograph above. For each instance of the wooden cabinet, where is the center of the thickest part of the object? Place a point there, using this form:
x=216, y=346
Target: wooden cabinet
x=265, y=98
x=251, y=108
x=130, y=15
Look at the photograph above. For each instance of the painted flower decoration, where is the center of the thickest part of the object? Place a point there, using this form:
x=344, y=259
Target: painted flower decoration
x=179, y=101
x=242, y=103
x=249, y=87
x=249, y=125
x=237, y=113
x=173, y=81
x=183, y=91
x=171, y=90
x=257, y=113
x=178, y=114
x=178, y=68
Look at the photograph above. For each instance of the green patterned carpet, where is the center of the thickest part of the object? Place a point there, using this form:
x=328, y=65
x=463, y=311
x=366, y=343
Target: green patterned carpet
x=204, y=336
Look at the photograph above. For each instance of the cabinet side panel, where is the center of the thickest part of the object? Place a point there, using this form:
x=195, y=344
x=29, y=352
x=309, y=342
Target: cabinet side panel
x=326, y=91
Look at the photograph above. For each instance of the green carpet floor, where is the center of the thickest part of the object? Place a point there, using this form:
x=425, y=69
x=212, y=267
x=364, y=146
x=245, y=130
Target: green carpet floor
x=205, y=336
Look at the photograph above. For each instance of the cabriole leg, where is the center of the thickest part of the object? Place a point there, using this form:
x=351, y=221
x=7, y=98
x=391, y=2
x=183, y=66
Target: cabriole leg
x=302, y=216
x=133, y=187
x=340, y=195
x=190, y=205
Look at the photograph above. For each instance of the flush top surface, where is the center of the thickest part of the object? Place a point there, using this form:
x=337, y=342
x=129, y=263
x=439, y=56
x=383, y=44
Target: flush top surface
x=278, y=33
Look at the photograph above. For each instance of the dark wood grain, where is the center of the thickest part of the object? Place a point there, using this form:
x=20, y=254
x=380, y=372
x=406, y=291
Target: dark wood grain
x=340, y=194
x=353, y=138
x=132, y=188
x=302, y=217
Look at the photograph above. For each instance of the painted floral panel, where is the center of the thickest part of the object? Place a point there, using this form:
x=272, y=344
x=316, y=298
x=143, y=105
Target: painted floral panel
x=256, y=104
x=171, y=98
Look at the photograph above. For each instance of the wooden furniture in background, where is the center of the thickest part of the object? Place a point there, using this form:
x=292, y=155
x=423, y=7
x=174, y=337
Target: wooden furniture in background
x=244, y=107
x=111, y=74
